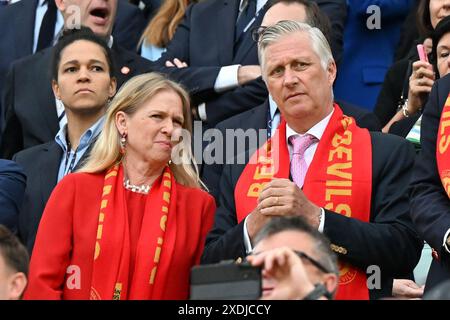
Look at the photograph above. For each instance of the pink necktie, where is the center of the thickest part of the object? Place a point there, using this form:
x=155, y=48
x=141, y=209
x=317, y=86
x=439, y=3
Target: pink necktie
x=298, y=162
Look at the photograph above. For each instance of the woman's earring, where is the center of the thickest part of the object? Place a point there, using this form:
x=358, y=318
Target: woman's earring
x=123, y=143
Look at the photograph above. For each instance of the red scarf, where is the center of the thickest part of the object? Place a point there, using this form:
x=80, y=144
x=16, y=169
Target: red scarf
x=338, y=179
x=442, y=144
x=111, y=276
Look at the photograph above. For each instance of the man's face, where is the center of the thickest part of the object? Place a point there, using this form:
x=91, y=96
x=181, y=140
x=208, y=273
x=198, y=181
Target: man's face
x=297, y=82
x=99, y=15
x=283, y=11
x=297, y=241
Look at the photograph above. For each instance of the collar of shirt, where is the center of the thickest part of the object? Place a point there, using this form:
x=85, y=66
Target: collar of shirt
x=259, y=4
x=317, y=130
x=85, y=139
x=273, y=106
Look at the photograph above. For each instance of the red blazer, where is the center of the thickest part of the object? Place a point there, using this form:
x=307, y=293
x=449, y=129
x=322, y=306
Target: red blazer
x=62, y=260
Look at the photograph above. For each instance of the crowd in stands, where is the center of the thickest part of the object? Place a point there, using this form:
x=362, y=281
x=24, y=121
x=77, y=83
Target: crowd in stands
x=142, y=138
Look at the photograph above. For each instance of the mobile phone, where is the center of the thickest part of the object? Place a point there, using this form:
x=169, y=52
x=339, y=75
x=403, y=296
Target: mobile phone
x=226, y=281
x=422, y=53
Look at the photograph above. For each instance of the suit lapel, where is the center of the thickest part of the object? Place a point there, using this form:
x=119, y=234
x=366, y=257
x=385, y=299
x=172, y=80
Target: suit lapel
x=25, y=23
x=49, y=168
x=226, y=23
x=45, y=96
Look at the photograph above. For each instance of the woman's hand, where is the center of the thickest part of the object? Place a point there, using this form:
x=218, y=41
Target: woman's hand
x=420, y=83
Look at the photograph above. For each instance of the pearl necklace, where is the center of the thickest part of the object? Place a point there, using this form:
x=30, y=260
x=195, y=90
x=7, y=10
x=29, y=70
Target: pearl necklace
x=144, y=188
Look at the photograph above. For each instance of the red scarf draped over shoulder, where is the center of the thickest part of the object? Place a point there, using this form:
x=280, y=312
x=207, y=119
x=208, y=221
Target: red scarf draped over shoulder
x=111, y=276
x=339, y=178
x=442, y=144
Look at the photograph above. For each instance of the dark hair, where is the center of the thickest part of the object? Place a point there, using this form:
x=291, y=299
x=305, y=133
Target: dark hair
x=442, y=28
x=423, y=19
x=13, y=252
x=68, y=37
x=322, y=245
x=314, y=16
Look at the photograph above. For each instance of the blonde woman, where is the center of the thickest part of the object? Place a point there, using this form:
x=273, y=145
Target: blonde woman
x=132, y=223
x=162, y=27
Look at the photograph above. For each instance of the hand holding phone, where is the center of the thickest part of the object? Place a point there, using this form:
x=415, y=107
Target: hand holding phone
x=422, y=53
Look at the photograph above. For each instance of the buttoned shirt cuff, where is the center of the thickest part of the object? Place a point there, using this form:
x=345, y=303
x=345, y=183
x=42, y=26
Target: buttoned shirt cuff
x=445, y=241
x=247, y=242
x=227, y=78
x=202, y=111
x=322, y=220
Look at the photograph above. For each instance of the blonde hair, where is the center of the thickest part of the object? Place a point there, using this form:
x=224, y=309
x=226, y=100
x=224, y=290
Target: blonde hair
x=133, y=94
x=162, y=27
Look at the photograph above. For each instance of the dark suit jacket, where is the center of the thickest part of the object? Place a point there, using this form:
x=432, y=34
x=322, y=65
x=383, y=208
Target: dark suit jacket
x=205, y=41
x=41, y=165
x=29, y=105
x=17, y=27
x=256, y=119
x=389, y=240
x=430, y=206
x=12, y=188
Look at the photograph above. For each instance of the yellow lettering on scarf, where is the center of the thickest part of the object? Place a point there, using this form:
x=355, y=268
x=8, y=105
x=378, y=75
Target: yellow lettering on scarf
x=166, y=196
x=336, y=170
x=444, y=142
x=337, y=192
x=345, y=139
x=106, y=190
x=263, y=173
x=340, y=152
x=446, y=183
x=97, y=250
x=255, y=189
x=162, y=222
x=152, y=275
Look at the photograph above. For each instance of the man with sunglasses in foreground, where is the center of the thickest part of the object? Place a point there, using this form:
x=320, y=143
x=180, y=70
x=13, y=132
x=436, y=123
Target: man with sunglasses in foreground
x=297, y=261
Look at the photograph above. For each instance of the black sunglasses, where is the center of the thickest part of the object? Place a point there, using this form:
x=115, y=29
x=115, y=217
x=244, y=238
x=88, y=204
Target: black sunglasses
x=257, y=32
x=316, y=263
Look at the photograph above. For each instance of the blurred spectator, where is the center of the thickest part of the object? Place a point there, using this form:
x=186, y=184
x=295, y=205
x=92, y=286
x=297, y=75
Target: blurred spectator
x=297, y=261
x=371, y=36
x=161, y=28
x=85, y=112
x=13, y=266
x=12, y=189
x=32, y=115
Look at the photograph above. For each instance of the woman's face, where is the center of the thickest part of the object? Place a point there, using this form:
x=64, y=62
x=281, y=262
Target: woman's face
x=84, y=84
x=443, y=55
x=439, y=9
x=154, y=129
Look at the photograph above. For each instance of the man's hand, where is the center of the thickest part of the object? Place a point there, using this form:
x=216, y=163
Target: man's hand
x=176, y=63
x=286, y=267
x=406, y=289
x=248, y=73
x=282, y=197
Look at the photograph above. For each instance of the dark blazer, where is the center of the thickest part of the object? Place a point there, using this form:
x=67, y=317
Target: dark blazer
x=430, y=205
x=41, y=165
x=205, y=41
x=389, y=240
x=30, y=116
x=17, y=27
x=12, y=188
x=256, y=119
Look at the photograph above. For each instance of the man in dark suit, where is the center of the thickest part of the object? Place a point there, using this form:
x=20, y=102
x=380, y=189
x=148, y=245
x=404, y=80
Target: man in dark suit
x=367, y=222
x=30, y=110
x=12, y=189
x=267, y=114
x=222, y=72
x=18, y=37
x=430, y=204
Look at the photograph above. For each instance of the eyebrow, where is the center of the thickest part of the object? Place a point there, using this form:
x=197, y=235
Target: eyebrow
x=181, y=119
x=92, y=61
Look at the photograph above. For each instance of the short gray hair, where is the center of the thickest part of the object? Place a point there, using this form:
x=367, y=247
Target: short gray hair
x=283, y=28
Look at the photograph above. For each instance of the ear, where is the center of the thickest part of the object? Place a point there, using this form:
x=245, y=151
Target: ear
x=18, y=282
x=61, y=5
x=121, y=122
x=331, y=70
x=55, y=88
x=112, y=87
x=331, y=282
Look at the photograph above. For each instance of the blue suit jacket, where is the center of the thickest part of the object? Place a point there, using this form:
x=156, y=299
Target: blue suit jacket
x=368, y=53
x=12, y=188
x=430, y=205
